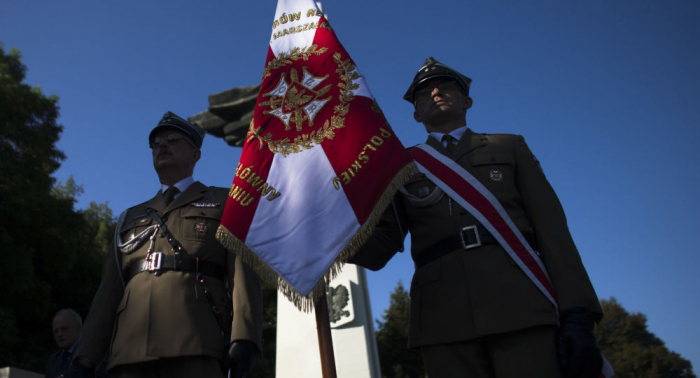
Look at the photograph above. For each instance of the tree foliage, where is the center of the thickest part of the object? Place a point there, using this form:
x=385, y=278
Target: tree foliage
x=633, y=350
x=396, y=360
x=51, y=255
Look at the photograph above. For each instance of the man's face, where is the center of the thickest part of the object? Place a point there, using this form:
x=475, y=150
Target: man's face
x=65, y=330
x=440, y=100
x=174, y=154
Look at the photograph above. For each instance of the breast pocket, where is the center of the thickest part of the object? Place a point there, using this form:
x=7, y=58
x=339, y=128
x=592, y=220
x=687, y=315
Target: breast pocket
x=135, y=226
x=421, y=192
x=200, y=224
x=495, y=171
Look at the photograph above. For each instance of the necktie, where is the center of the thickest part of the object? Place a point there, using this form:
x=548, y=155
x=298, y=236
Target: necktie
x=450, y=143
x=169, y=194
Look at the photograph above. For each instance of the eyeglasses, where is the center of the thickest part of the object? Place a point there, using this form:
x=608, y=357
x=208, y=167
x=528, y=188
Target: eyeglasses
x=428, y=89
x=170, y=138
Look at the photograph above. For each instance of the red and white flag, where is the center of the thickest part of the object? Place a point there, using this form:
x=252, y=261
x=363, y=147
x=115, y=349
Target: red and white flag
x=320, y=163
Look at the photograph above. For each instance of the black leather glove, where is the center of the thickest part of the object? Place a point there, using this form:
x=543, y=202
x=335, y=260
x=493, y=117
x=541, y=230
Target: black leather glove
x=242, y=355
x=80, y=370
x=579, y=355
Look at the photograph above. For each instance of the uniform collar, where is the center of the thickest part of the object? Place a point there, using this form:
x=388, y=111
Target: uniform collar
x=457, y=134
x=182, y=185
x=193, y=192
x=468, y=142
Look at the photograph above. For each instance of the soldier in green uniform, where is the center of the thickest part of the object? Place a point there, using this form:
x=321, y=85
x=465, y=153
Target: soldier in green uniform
x=474, y=311
x=172, y=301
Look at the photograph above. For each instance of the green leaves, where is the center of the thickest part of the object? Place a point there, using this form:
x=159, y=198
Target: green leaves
x=632, y=350
x=51, y=255
x=396, y=360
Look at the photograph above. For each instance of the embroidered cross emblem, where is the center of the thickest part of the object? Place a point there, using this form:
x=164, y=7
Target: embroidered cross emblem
x=200, y=227
x=496, y=175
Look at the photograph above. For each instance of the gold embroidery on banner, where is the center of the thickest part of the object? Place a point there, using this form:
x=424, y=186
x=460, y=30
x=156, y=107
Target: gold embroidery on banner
x=297, y=17
x=301, y=102
x=297, y=101
x=247, y=174
x=324, y=26
x=347, y=175
x=286, y=58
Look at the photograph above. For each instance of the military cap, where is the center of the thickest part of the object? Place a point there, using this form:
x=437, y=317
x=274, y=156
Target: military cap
x=171, y=120
x=431, y=69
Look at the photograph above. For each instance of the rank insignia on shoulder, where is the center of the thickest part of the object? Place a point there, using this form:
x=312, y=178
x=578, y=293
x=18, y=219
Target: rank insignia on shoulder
x=496, y=175
x=205, y=204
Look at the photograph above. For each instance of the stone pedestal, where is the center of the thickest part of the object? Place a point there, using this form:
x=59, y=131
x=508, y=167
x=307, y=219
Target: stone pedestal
x=352, y=329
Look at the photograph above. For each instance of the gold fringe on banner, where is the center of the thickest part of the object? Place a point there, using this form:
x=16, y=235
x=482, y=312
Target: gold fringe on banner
x=306, y=302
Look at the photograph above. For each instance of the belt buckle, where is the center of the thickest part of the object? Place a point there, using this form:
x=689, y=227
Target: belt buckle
x=154, y=261
x=463, y=232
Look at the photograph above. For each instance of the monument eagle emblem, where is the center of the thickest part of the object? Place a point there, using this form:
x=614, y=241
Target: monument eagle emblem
x=338, y=298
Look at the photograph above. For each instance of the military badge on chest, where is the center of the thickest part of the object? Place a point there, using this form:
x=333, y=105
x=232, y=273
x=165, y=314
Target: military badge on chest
x=496, y=175
x=200, y=228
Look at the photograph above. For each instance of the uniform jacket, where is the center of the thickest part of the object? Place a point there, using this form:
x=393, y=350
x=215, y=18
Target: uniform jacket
x=169, y=315
x=466, y=294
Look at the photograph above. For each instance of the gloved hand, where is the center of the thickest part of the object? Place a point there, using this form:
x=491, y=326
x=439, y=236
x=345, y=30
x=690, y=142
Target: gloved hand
x=79, y=369
x=579, y=354
x=242, y=355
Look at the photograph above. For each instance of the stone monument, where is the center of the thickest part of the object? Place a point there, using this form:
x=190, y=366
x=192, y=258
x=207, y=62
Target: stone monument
x=354, y=344
x=229, y=114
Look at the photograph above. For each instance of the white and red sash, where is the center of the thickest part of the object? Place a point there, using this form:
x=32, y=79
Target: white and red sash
x=467, y=191
x=473, y=196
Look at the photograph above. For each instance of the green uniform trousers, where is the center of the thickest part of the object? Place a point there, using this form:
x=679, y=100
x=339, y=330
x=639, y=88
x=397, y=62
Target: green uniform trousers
x=529, y=353
x=176, y=367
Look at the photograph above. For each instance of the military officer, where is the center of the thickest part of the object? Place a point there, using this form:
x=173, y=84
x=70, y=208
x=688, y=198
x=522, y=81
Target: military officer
x=172, y=299
x=474, y=311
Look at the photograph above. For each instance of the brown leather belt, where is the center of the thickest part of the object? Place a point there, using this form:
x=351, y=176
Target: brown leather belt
x=159, y=262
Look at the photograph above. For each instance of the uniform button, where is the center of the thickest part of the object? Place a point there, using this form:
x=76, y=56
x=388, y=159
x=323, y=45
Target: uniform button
x=162, y=235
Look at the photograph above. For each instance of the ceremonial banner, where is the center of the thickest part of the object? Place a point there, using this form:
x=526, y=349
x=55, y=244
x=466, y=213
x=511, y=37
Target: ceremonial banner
x=320, y=163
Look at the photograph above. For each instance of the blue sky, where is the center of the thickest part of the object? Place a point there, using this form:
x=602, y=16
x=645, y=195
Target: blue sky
x=606, y=93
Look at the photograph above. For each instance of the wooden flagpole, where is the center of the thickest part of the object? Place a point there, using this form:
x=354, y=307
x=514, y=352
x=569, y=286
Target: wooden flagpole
x=325, y=341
